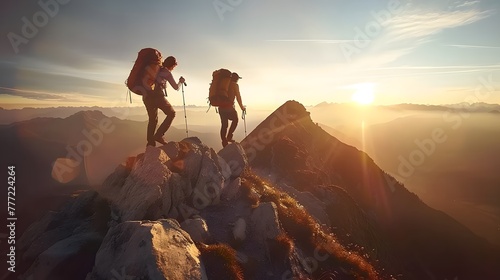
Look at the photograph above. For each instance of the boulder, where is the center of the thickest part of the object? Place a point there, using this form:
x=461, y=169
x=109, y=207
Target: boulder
x=66, y=258
x=265, y=221
x=139, y=197
x=231, y=191
x=236, y=158
x=148, y=250
x=157, y=185
x=201, y=167
x=314, y=205
x=196, y=228
x=35, y=230
x=240, y=230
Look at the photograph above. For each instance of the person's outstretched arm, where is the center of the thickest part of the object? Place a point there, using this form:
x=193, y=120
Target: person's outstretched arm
x=238, y=97
x=170, y=78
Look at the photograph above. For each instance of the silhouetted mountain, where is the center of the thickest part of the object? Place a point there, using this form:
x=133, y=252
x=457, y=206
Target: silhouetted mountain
x=419, y=242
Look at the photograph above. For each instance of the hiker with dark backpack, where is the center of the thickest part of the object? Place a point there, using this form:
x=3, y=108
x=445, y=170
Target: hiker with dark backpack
x=228, y=112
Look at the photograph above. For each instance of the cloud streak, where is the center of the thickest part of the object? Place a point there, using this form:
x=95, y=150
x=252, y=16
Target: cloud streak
x=44, y=96
x=322, y=41
x=420, y=25
x=467, y=4
x=411, y=29
x=473, y=47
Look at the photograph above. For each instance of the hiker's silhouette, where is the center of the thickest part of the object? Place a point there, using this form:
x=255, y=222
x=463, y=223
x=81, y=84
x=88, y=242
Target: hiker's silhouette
x=156, y=99
x=228, y=112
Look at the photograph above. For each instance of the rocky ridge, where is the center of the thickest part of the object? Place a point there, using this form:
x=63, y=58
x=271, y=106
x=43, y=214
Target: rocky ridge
x=184, y=211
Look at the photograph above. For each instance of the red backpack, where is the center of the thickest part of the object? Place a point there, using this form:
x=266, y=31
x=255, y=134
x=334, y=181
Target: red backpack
x=219, y=87
x=143, y=74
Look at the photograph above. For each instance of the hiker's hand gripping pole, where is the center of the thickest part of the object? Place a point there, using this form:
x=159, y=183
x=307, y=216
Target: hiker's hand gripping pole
x=244, y=117
x=184, y=103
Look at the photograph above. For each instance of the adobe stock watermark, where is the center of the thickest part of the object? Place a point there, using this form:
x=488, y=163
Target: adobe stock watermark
x=364, y=36
x=454, y=118
x=224, y=6
x=91, y=139
x=122, y=275
x=309, y=263
x=31, y=26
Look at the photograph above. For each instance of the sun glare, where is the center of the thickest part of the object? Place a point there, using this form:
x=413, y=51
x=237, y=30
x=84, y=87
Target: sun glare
x=364, y=94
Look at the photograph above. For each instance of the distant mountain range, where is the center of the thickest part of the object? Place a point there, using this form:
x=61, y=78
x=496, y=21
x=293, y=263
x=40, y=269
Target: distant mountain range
x=137, y=112
x=461, y=107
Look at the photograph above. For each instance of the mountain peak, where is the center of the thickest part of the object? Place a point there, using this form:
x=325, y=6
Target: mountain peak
x=300, y=157
x=88, y=115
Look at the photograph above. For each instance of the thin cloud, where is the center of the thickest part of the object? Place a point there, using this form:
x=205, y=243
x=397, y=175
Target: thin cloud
x=411, y=29
x=473, y=47
x=415, y=71
x=467, y=4
x=36, y=95
x=424, y=24
x=461, y=67
x=313, y=41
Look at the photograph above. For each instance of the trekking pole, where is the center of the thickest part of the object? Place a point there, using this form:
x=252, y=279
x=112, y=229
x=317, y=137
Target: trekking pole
x=244, y=117
x=185, y=116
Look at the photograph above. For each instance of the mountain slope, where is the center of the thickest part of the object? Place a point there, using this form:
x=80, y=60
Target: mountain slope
x=420, y=242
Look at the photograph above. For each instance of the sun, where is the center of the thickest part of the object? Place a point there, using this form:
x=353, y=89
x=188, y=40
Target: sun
x=364, y=94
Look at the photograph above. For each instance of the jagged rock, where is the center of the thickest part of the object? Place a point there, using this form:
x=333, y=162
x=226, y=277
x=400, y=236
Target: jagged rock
x=157, y=185
x=35, y=230
x=225, y=168
x=193, y=140
x=78, y=216
x=197, y=229
x=265, y=221
x=240, y=230
x=202, y=168
x=53, y=235
x=235, y=156
x=171, y=149
x=115, y=181
x=66, y=258
x=179, y=188
x=80, y=206
x=231, y=191
x=148, y=250
x=138, y=198
x=313, y=205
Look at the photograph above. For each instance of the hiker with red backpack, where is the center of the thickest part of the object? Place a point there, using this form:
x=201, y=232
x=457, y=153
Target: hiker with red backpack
x=148, y=78
x=228, y=112
x=157, y=100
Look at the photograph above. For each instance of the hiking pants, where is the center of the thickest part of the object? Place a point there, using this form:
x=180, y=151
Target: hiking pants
x=153, y=103
x=227, y=114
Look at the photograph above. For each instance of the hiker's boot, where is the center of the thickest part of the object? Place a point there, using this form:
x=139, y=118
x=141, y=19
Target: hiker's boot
x=230, y=138
x=224, y=143
x=158, y=138
x=151, y=144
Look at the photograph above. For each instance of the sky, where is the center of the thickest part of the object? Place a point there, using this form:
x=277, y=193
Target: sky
x=79, y=53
